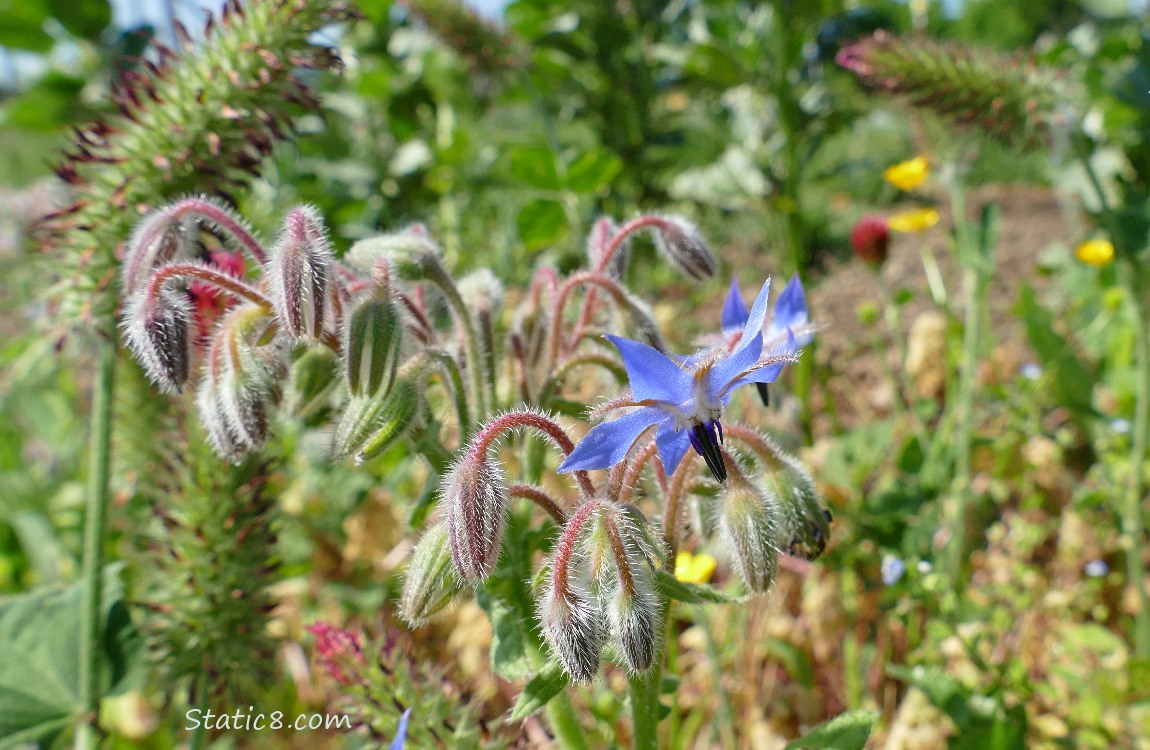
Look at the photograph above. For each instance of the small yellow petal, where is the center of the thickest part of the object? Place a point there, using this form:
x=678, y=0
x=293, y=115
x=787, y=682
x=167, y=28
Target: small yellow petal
x=1095, y=253
x=907, y=175
x=694, y=568
x=916, y=220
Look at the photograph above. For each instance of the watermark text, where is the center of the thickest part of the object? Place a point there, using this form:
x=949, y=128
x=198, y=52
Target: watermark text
x=259, y=721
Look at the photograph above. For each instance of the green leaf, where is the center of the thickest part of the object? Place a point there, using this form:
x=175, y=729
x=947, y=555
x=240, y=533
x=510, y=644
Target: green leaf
x=23, y=25
x=541, y=223
x=847, y=731
x=40, y=671
x=86, y=19
x=691, y=593
x=534, y=166
x=52, y=102
x=508, y=652
x=593, y=170
x=541, y=689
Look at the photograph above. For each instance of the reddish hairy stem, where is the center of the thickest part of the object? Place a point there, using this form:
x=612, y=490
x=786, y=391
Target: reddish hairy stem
x=565, y=547
x=518, y=419
x=217, y=216
x=561, y=296
x=540, y=498
x=634, y=471
x=622, y=564
x=672, y=511
x=218, y=279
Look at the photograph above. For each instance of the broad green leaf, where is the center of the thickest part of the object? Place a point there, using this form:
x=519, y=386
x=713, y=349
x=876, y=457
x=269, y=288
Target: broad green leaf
x=847, y=731
x=508, y=652
x=541, y=689
x=592, y=171
x=691, y=593
x=541, y=223
x=40, y=671
x=534, y=166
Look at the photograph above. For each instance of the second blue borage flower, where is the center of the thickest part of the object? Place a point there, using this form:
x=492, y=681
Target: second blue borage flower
x=684, y=398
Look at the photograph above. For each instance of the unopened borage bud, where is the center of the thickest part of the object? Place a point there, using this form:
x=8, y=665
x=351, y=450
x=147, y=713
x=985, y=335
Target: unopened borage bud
x=749, y=528
x=297, y=274
x=372, y=423
x=680, y=242
x=430, y=585
x=372, y=345
x=473, y=496
x=156, y=327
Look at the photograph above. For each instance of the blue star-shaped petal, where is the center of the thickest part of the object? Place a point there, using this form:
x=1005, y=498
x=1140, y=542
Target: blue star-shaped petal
x=684, y=398
x=790, y=315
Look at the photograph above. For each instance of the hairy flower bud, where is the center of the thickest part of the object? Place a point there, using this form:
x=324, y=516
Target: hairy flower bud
x=297, y=274
x=429, y=586
x=804, y=527
x=482, y=291
x=573, y=628
x=156, y=329
x=240, y=384
x=473, y=496
x=632, y=605
x=370, y=424
x=870, y=239
x=410, y=251
x=312, y=379
x=372, y=345
x=679, y=241
x=749, y=528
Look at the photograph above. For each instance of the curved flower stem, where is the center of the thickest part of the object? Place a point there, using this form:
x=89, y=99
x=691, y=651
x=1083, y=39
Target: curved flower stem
x=516, y=420
x=459, y=391
x=218, y=279
x=95, y=516
x=463, y=319
x=672, y=510
x=595, y=278
x=540, y=498
x=602, y=360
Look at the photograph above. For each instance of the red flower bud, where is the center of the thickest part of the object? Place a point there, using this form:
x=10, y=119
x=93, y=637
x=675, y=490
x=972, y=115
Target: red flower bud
x=870, y=239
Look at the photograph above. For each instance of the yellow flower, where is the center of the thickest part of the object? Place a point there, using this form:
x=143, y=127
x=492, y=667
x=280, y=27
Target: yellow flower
x=916, y=220
x=907, y=175
x=1095, y=253
x=694, y=568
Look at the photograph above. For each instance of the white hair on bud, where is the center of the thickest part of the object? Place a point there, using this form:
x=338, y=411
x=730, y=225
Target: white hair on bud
x=473, y=496
x=297, y=273
x=679, y=241
x=156, y=332
x=481, y=289
x=573, y=628
x=429, y=584
x=749, y=527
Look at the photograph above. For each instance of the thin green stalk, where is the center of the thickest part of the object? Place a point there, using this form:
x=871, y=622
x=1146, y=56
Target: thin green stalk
x=200, y=733
x=645, y=706
x=1132, y=526
x=95, y=517
x=971, y=341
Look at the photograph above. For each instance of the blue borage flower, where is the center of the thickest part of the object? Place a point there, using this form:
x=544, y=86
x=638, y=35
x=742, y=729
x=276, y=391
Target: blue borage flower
x=790, y=314
x=684, y=397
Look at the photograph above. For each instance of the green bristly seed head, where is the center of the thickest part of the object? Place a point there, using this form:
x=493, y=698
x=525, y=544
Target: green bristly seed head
x=199, y=121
